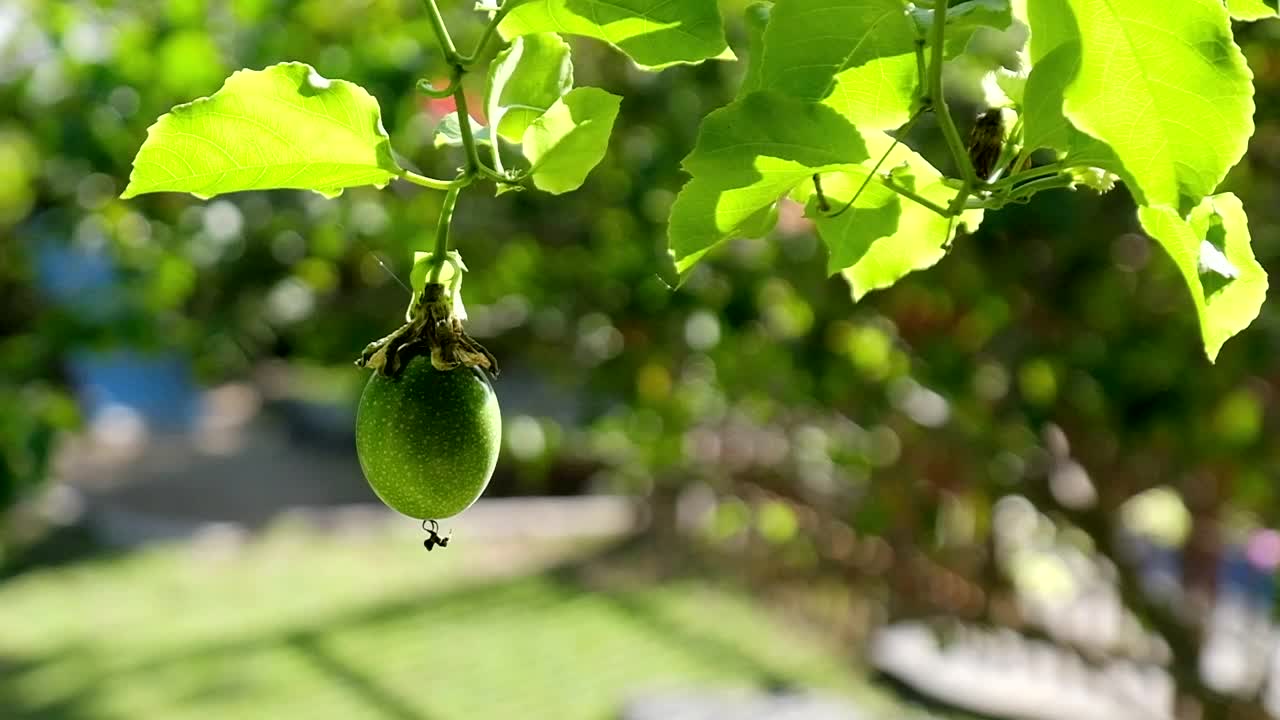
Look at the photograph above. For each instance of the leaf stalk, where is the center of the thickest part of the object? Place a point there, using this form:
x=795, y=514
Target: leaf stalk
x=906, y=130
x=915, y=197
x=427, y=182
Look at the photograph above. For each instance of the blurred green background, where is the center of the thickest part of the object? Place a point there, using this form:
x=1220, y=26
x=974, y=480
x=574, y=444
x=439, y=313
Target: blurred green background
x=175, y=378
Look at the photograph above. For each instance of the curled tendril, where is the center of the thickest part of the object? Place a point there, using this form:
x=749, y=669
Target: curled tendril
x=426, y=88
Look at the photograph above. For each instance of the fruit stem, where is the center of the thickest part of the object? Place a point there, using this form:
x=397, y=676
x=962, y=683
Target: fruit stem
x=433, y=323
x=443, y=228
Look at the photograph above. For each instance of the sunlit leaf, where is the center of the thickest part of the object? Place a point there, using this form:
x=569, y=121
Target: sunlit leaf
x=566, y=143
x=748, y=155
x=449, y=132
x=1226, y=305
x=282, y=127
x=654, y=33
x=858, y=56
x=884, y=236
x=1173, y=100
x=1252, y=9
x=525, y=80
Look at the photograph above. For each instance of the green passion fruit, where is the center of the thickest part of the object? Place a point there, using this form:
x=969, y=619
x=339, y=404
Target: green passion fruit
x=428, y=439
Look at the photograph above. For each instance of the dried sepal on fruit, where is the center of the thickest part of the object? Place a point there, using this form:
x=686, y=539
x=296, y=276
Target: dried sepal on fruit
x=433, y=327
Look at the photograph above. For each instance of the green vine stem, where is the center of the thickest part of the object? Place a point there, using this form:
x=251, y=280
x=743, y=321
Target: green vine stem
x=485, y=37
x=459, y=64
x=443, y=228
x=441, y=31
x=939, y=103
x=474, y=164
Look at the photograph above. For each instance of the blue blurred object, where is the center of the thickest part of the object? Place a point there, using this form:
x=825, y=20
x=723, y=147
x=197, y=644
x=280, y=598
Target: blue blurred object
x=78, y=278
x=1239, y=574
x=159, y=387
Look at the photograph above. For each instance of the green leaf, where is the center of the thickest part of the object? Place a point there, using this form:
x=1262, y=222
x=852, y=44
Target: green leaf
x=761, y=223
x=1005, y=88
x=570, y=139
x=1252, y=9
x=1162, y=83
x=963, y=21
x=449, y=133
x=757, y=16
x=525, y=80
x=1045, y=125
x=857, y=56
x=653, y=33
x=282, y=127
x=884, y=236
x=1206, y=247
x=748, y=155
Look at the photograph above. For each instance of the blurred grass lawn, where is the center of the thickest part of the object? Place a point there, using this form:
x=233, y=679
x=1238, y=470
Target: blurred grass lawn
x=296, y=624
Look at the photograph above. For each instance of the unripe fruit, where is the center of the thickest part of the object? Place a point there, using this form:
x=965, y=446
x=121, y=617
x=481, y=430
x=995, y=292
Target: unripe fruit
x=428, y=440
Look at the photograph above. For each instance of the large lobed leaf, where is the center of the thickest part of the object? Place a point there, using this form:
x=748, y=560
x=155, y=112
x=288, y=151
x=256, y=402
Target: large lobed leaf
x=1211, y=249
x=1160, y=82
x=1158, y=93
x=282, y=127
x=765, y=145
x=653, y=33
x=858, y=56
x=748, y=155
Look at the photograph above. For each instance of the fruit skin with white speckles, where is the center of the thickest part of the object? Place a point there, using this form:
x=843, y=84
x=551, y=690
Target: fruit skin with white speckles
x=428, y=440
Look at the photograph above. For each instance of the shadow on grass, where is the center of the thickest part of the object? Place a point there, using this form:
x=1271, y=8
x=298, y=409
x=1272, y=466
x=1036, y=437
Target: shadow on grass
x=87, y=688
x=653, y=618
x=59, y=548
x=909, y=696
x=385, y=703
